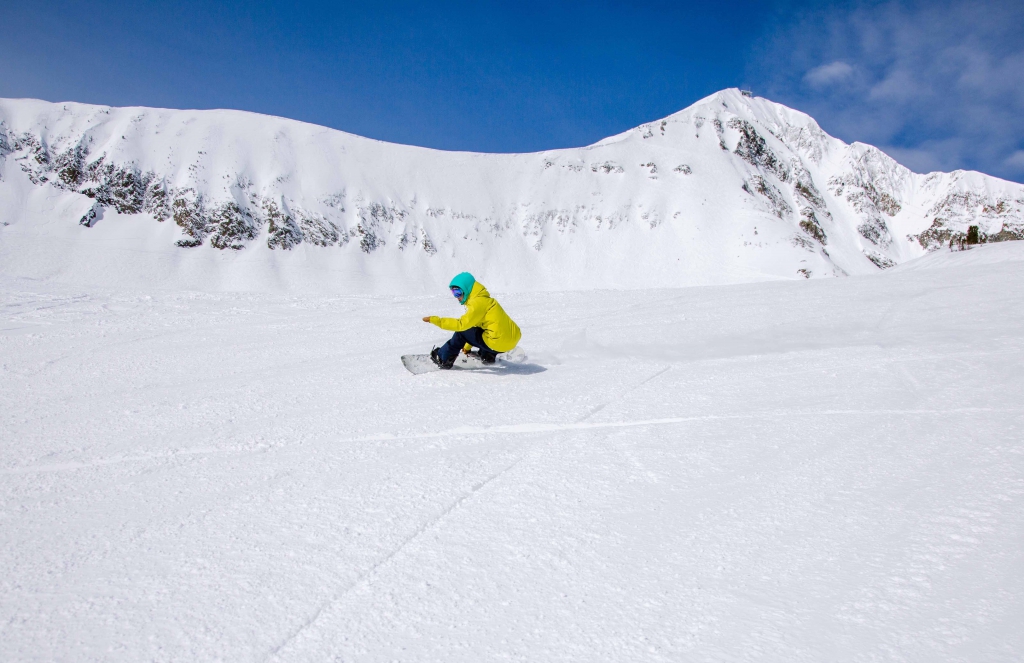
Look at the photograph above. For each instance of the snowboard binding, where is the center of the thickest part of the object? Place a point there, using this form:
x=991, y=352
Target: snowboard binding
x=436, y=358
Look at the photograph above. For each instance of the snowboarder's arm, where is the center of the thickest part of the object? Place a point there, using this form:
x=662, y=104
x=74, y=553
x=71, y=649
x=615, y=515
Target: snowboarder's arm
x=473, y=317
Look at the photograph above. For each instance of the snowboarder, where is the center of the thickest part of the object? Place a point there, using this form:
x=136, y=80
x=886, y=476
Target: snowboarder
x=485, y=325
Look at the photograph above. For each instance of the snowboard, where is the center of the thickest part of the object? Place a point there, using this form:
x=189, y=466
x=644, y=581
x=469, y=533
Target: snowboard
x=418, y=364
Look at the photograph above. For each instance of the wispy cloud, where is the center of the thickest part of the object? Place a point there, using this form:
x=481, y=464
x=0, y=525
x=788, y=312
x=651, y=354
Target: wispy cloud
x=828, y=74
x=938, y=85
x=1016, y=161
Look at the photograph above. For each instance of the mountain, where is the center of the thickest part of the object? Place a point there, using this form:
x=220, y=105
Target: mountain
x=734, y=188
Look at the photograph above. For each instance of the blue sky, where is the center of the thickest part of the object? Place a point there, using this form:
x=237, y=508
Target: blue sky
x=937, y=85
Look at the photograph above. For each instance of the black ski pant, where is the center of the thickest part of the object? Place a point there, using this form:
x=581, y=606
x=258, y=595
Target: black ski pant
x=474, y=336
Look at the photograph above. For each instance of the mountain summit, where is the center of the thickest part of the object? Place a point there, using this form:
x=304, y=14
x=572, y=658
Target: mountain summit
x=734, y=188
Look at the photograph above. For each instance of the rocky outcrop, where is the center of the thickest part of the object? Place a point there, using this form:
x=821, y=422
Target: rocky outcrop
x=999, y=218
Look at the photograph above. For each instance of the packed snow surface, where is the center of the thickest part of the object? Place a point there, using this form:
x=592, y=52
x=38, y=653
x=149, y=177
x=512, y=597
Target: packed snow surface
x=823, y=470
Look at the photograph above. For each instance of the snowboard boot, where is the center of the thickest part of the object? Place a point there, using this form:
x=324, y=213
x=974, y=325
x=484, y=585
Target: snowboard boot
x=485, y=356
x=436, y=358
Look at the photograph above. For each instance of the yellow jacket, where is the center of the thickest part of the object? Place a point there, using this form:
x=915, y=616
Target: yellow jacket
x=501, y=334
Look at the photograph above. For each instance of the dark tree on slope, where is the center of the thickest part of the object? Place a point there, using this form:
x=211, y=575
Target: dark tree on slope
x=190, y=216
x=283, y=232
x=234, y=226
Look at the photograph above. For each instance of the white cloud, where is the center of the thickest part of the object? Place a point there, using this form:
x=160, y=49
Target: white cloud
x=939, y=83
x=1016, y=161
x=899, y=85
x=828, y=74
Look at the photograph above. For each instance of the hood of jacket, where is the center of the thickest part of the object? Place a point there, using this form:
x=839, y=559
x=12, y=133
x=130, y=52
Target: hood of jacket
x=478, y=291
x=465, y=282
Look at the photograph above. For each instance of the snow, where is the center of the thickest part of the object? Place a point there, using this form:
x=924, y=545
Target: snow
x=216, y=454
x=830, y=469
x=733, y=189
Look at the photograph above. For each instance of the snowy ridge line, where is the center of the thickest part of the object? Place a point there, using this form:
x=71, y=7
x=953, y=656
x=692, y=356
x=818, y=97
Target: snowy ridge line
x=583, y=425
x=732, y=189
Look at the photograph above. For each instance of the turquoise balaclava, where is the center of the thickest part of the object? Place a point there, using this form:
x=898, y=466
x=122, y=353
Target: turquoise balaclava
x=464, y=281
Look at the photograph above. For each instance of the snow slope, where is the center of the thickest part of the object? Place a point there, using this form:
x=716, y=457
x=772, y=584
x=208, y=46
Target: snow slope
x=824, y=470
x=732, y=189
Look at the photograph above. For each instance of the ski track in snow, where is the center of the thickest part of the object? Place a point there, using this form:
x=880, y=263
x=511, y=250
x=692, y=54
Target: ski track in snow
x=513, y=429
x=807, y=471
x=366, y=578
x=522, y=429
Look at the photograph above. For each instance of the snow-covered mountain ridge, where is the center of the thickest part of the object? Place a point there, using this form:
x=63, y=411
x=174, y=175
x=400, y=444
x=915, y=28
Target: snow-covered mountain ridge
x=733, y=188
